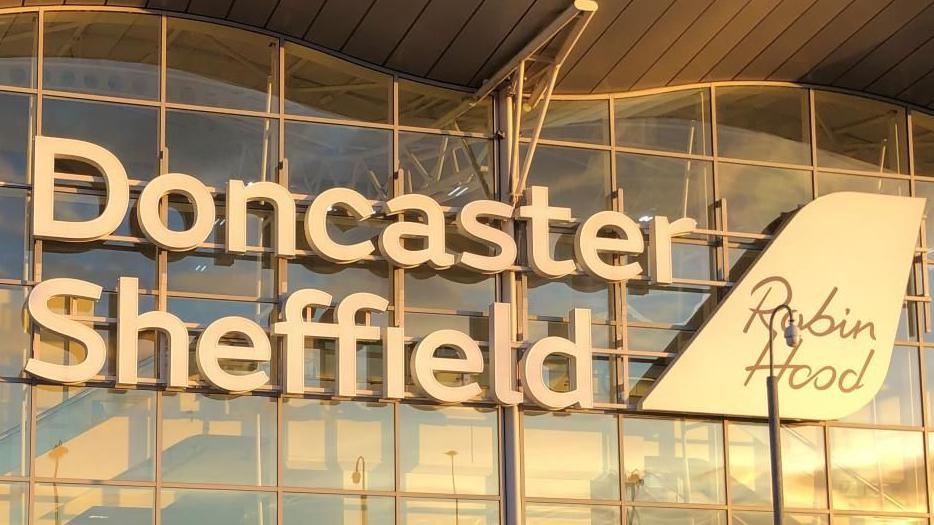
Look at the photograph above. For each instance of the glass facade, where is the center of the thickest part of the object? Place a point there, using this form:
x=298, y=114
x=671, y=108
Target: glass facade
x=172, y=94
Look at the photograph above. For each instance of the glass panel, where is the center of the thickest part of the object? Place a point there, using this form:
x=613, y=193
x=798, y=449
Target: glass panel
x=450, y=450
x=334, y=509
x=213, y=65
x=100, y=263
x=803, y=470
x=18, y=49
x=749, y=517
x=448, y=512
x=757, y=197
x=557, y=298
x=321, y=361
x=572, y=121
x=74, y=424
x=682, y=306
x=60, y=504
x=102, y=53
x=320, y=85
x=339, y=280
x=922, y=135
x=14, y=331
x=542, y=514
x=657, y=340
x=877, y=470
x=217, y=507
x=14, y=418
x=926, y=190
x=678, y=461
x=570, y=455
x=451, y=170
x=420, y=325
x=677, y=121
x=16, y=128
x=218, y=439
x=205, y=311
x=672, y=188
x=833, y=182
x=13, y=503
x=764, y=123
x=342, y=445
x=451, y=289
x=899, y=400
x=216, y=148
x=860, y=134
x=220, y=273
x=425, y=106
x=602, y=335
x=650, y=515
x=14, y=257
x=577, y=178
x=324, y=156
x=107, y=125
x=877, y=520
x=642, y=376
x=87, y=206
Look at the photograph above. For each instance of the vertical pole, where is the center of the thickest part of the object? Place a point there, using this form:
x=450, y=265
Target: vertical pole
x=775, y=444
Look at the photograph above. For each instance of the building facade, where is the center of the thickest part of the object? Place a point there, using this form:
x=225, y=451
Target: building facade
x=171, y=92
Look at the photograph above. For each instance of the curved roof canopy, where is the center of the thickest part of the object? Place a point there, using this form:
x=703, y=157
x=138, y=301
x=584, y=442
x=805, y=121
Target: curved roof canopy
x=875, y=46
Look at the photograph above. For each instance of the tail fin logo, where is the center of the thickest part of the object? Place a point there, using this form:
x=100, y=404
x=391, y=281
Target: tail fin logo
x=842, y=263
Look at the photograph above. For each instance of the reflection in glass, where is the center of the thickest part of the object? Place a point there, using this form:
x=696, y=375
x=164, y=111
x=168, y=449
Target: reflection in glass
x=878, y=520
x=858, y=133
x=321, y=360
x=601, y=334
x=341, y=445
x=448, y=512
x=673, y=460
x=570, y=455
x=249, y=275
x=100, y=263
x=13, y=503
x=14, y=420
x=834, y=182
x=757, y=196
x=550, y=514
x=129, y=132
x=922, y=134
x=654, y=515
x=576, y=178
x=681, y=306
x=86, y=206
x=420, y=325
x=571, y=120
x=15, y=130
x=425, y=106
x=14, y=258
x=18, y=49
x=452, y=170
x=218, y=439
x=877, y=470
x=214, y=65
x=339, y=280
x=324, y=156
x=102, y=53
x=898, y=402
x=216, y=148
x=751, y=517
x=642, y=376
x=449, y=450
x=677, y=121
x=657, y=339
x=320, y=85
x=61, y=504
x=427, y=288
x=206, y=311
x=335, y=509
x=764, y=123
x=803, y=470
x=672, y=188
x=217, y=507
x=73, y=425
x=14, y=331
x=556, y=298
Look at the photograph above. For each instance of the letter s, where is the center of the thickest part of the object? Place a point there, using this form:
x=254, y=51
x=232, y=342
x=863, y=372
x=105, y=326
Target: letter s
x=38, y=306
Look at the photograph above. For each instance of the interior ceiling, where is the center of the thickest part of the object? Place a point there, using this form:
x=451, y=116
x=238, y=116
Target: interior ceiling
x=885, y=47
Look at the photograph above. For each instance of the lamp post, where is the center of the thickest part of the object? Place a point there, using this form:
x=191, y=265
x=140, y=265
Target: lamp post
x=457, y=509
x=359, y=476
x=792, y=338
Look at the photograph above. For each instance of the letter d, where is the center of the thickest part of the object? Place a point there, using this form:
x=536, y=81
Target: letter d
x=117, y=196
